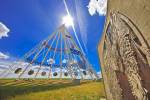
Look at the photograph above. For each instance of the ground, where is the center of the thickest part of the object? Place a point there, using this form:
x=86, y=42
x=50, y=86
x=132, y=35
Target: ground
x=40, y=89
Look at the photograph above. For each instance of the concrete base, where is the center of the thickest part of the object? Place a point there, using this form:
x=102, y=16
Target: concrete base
x=76, y=81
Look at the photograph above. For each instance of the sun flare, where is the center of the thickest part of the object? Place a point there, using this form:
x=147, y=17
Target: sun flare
x=68, y=21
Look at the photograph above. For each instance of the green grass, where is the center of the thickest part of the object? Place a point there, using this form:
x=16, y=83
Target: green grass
x=50, y=90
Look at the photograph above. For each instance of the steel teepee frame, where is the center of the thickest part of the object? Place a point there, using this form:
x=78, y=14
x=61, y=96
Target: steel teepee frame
x=45, y=53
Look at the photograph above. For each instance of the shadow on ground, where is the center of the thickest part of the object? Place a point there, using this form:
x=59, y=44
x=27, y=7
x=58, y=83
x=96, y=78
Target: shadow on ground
x=13, y=88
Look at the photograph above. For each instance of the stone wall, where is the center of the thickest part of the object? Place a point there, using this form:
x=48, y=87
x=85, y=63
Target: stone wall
x=124, y=50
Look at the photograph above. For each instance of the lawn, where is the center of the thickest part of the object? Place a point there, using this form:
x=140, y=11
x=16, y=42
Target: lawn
x=44, y=89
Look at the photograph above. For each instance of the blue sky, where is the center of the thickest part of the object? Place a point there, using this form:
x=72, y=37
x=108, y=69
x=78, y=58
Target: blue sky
x=31, y=21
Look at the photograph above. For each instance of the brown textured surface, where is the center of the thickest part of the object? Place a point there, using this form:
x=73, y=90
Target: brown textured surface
x=124, y=84
x=138, y=11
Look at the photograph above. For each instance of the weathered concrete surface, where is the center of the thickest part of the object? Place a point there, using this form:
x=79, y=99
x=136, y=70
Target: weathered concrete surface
x=124, y=82
x=137, y=10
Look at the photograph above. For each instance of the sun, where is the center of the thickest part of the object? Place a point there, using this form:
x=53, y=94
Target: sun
x=67, y=21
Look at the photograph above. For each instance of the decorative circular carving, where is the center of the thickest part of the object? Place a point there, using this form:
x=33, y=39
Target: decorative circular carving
x=55, y=74
x=18, y=70
x=43, y=73
x=65, y=74
x=31, y=72
x=84, y=72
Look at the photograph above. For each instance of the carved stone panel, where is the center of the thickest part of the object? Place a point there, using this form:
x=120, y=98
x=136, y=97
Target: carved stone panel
x=126, y=60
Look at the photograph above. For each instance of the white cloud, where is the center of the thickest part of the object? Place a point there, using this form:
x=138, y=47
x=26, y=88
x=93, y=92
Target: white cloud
x=51, y=61
x=3, y=30
x=3, y=33
x=11, y=66
x=3, y=56
x=97, y=6
x=64, y=61
x=99, y=74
